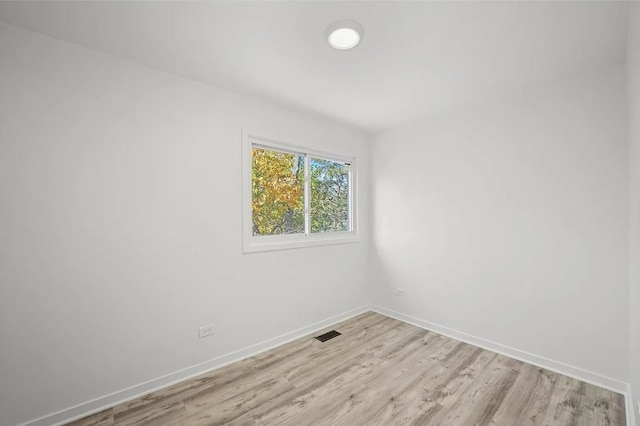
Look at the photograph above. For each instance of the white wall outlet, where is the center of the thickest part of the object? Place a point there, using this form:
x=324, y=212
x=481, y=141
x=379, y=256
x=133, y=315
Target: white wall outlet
x=401, y=292
x=205, y=331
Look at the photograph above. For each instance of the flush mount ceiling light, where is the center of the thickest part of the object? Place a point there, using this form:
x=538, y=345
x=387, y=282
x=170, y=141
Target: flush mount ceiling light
x=344, y=34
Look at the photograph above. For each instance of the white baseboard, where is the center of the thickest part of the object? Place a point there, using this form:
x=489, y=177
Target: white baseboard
x=539, y=361
x=631, y=407
x=98, y=404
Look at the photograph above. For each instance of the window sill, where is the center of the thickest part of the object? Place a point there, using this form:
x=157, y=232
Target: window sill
x=287, y=242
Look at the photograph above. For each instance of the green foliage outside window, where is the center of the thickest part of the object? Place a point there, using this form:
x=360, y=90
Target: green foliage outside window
x=329, y=196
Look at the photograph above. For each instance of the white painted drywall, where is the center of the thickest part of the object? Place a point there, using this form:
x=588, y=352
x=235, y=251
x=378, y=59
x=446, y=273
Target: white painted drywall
x=120, y=227
x=507, y=220
x=633, y=74
x=120, y=224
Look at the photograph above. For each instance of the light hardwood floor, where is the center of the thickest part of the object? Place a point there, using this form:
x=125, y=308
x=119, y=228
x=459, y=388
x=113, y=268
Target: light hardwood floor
x=379, y=371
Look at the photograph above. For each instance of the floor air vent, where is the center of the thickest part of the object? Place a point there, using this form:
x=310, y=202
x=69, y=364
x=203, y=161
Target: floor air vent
x=328, y=336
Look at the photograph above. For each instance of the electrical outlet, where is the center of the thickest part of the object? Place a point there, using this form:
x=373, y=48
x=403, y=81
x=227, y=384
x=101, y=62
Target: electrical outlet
x=401, y=292
x=205, y=331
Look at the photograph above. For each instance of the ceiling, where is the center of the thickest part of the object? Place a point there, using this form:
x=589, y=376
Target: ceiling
x=416, y=58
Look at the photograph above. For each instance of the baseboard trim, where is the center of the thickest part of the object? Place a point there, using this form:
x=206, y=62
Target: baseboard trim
x=101, y=403
x=539, y=361
x=630, y=407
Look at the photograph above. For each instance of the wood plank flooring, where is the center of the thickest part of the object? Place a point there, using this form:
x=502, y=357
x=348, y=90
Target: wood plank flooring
x=380, y=371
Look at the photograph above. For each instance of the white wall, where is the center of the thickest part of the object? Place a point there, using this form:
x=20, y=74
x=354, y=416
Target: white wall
x=120, y=224
x=120, y=227
x=633, y=73
x=507, y=220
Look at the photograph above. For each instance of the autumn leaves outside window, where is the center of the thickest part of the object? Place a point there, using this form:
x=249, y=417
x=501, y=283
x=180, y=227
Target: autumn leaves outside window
x=295, y=193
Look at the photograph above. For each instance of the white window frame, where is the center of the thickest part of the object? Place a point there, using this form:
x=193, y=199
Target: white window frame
x=251, y=243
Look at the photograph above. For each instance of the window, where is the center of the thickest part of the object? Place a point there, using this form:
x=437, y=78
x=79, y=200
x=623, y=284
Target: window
x=295, y=197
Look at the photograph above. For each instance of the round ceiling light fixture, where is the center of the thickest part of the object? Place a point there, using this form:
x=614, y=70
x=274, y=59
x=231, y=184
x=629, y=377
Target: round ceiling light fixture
x=344, y=34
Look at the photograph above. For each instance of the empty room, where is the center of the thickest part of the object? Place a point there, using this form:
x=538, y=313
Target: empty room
x=319, y=213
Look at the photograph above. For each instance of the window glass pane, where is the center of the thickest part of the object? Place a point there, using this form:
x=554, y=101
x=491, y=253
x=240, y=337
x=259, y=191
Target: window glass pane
x=277, y=191
x=329, y=195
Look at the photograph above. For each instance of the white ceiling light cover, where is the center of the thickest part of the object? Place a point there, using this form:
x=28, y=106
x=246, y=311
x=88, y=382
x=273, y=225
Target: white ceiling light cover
x=344, y=34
